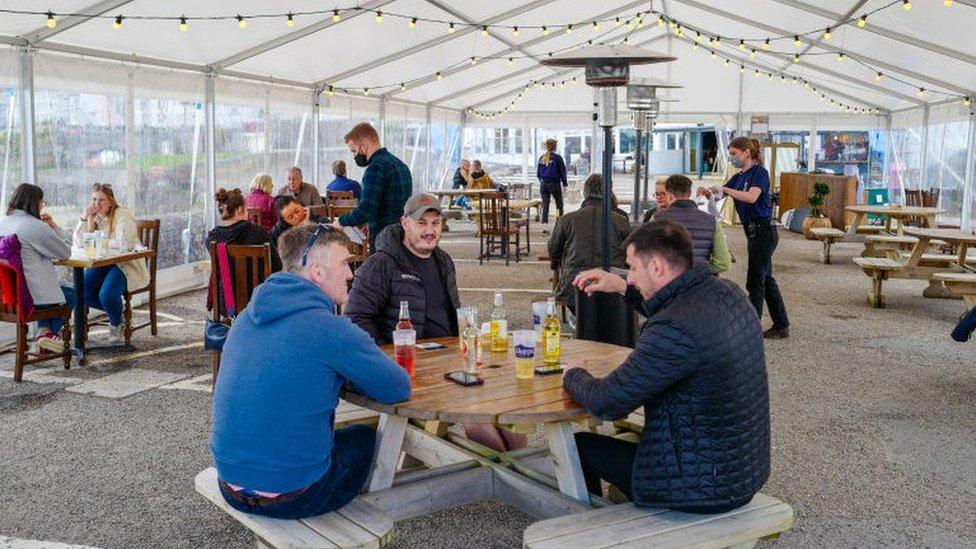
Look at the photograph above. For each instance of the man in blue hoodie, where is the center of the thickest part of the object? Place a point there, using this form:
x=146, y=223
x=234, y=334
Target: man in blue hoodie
x=285, y=360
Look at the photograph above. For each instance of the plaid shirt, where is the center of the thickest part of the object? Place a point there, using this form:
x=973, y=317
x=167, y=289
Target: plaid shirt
x=387, y=185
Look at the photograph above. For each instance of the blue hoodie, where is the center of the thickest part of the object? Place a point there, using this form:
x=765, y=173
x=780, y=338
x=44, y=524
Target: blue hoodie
x=284, y=361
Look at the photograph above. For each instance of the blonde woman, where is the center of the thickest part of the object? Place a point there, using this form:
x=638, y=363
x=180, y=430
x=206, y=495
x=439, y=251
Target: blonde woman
x=551, y=172
x=260, y=197
x=104, y=286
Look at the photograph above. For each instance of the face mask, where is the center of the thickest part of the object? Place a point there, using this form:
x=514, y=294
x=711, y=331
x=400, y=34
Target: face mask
x=360, y=160
x=737, y=162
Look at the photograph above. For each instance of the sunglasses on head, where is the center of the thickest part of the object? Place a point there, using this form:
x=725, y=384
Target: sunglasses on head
x=319, y=229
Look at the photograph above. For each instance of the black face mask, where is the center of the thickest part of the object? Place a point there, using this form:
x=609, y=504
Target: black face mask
x=361, y=160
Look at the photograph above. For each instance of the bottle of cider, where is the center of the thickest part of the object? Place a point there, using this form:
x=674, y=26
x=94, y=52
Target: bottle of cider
x=404, y=322
x=498, y=328
x=551, y=332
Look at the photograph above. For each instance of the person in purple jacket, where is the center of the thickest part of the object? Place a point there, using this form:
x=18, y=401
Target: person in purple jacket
x=551, y=172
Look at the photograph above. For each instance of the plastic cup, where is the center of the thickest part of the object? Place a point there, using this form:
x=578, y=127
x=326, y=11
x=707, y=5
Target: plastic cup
x=539, y=310
x=88, y=239
x=462, y=317
x=524, y=353
x=405, y=349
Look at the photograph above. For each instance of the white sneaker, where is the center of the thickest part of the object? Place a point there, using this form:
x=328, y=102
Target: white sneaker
x=114, y=337
x=51, y=342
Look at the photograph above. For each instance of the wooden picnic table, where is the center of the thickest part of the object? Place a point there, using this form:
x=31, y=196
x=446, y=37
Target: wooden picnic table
x=897, y=213
x=451, y=194
x=503, y=399
x=79, y=261
x=960, y=278
x=959, y=239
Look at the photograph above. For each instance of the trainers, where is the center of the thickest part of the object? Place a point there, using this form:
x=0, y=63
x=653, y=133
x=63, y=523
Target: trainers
x=777, y=333
x=50, y=342
x=114, y=337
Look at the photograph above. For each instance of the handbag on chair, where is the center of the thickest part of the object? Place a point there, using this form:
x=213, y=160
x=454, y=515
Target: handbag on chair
x=214, y=332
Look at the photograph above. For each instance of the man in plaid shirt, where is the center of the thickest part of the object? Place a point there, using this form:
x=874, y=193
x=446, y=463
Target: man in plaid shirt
x=387, y=183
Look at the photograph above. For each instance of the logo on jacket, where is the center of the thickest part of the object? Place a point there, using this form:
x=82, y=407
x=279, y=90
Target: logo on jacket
x=408, y=276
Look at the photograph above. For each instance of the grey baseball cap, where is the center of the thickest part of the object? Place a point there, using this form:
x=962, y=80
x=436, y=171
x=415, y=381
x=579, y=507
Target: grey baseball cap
x=419, y=204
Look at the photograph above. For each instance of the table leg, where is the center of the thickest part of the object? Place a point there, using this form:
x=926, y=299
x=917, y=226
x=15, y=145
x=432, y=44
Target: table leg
x=569, y=470
x=79, y=316
x=389, y=441
x=961, y=259
x=855, y=223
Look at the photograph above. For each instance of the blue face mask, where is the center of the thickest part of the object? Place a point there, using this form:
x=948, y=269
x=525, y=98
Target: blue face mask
x=737, y=162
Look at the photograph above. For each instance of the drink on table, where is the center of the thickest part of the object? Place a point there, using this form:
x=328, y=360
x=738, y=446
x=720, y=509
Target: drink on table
x=470, y=344
x=551, y=333
x=498, y=327
x=524, y=354
x=89, y=241
x=463, y=322
x=404, y=322
x=538, y=318
x=405, y=349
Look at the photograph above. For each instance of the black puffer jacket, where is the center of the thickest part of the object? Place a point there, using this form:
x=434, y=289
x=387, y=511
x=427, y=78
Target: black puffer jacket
x=699, y=370
x=385, y=279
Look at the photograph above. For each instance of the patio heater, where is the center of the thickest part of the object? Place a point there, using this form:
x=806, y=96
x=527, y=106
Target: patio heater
x=605, y=317
x=642, y=99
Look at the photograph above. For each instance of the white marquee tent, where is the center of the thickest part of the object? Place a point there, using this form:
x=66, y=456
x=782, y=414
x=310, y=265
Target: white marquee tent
x=115, y=91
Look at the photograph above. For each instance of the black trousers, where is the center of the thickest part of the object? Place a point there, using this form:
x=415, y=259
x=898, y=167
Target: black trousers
x=762, y=287
x=612, y=460
x=555, y=190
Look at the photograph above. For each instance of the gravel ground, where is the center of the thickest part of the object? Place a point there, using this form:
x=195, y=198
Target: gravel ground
x=872, y=414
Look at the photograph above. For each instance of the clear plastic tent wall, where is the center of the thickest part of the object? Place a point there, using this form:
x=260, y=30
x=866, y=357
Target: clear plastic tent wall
x=167, y=116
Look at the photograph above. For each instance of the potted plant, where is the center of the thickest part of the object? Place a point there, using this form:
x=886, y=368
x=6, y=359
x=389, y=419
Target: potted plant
x=816, y=217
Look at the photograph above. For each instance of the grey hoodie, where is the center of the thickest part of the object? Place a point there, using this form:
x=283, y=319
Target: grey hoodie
x=40, y=245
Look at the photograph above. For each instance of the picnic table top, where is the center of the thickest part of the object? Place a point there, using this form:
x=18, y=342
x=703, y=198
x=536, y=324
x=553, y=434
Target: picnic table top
x=949, y=235
x=503, y=398
x=114, y=257
x=460, y=192
x=895, y=211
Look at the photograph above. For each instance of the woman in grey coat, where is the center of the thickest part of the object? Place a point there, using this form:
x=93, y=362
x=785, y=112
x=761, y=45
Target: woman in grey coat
x=41, y=243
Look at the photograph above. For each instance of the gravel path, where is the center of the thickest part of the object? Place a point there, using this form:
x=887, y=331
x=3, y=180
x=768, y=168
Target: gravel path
x=874, y=428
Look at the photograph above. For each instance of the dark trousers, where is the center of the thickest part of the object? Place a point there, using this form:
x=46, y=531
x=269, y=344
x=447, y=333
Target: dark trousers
x=352, y=459
x=555, y=190
x=612, y=460
x=55, y=324
x=762, y=240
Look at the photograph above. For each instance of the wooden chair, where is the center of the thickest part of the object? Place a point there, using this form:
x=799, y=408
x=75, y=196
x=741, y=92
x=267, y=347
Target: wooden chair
x=340, y=205
x=321, y=211
x=148, y=237
x=340, y=195
x=521, y=219
x=249, y=267
x=495, y=229
x=255, y=215
x=926, y=199
x=11, y=311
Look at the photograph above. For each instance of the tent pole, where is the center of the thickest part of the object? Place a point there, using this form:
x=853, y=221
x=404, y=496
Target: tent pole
x=210, y=105
x=920, y=184
x=27, y=115
x=967, y=198
x=428, y=114
x=316, y=169
x=382, y=128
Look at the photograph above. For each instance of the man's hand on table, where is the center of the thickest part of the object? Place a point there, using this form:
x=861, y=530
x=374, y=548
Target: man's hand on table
x=577, y=365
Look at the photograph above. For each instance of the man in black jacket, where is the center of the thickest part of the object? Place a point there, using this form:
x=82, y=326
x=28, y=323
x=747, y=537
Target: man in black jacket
x=407, y=266
x=699, y=371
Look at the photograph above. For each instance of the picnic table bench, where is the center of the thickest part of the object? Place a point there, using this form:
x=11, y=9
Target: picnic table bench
x=626, y=525
x=827, y=236
x=357, y=524
x=963, y=284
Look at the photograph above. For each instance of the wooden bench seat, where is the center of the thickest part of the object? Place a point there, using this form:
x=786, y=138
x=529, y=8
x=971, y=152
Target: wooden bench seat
x=827, y=236
x=960, y=284
x=870, y=229
x=879, y=269
x=358, y=524
x=629, y=526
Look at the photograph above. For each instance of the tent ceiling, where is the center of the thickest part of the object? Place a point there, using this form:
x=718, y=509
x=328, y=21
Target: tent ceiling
x=924, y=47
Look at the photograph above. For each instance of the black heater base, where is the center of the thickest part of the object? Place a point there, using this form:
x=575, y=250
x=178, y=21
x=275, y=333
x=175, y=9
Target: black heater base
x=605, y=318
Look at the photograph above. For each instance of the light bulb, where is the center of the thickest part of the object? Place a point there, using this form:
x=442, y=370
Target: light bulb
x=379, y=17
x=515, y=32
x=118, y=22
x=474, y=61
x=183, y=26
x=752, y=54
x=765, y=44
x=967, y=101
x=365, y=91
x=290, y=21
x=681, y=32
x=796, y=40
x=742, y=69
x=878, y=77
x=545, y=31
x=863, y=21
x=439, y=75
x=920, y=92
x=451, y=29
x=403, y=86
x=413, y=23
x=711, y=54
x=660, y=21
x=51, y=21
x=698, y=37
x=617, y=23
x=906, y=5
x=796, y=58
x=827, y=34
x=947, y=3
x=335, y=16
x=596, y=27
x=569, y=28
x=241, y=22
x=742, y=45
x=840, y=56
x=330, y=92
x=728, y=63
x=511, y=62
x=484, y=30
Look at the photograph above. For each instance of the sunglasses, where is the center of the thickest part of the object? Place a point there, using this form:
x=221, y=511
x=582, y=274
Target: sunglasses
x=319, y=229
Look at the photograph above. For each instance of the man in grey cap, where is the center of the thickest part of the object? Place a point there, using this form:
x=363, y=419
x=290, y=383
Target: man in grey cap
x=407, y=265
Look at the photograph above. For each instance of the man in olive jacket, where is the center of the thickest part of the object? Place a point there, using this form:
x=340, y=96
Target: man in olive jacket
x=576, y=243
x=408, y=265
x=699, y=371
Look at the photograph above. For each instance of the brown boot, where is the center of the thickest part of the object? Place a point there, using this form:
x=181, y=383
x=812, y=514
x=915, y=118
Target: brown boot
x=777, y=333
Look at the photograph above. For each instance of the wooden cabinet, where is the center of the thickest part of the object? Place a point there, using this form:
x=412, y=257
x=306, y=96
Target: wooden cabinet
x=796, y=188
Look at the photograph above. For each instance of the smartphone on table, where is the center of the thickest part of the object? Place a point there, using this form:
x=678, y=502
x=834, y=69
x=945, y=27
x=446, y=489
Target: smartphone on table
x=463, y=378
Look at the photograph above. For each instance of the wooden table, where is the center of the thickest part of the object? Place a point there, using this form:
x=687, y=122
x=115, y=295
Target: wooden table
x=502, y=400
x=899, y=214
x=451, y=194
x=960, y=239
x=79, y=262
x=960, y=279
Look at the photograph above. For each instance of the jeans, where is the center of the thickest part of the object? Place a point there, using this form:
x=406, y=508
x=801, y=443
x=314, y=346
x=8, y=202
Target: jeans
x=612, y=460
x=55, y=324
x=352, y=459
x=554, y=189
x=104, y=287
x=762, y=240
